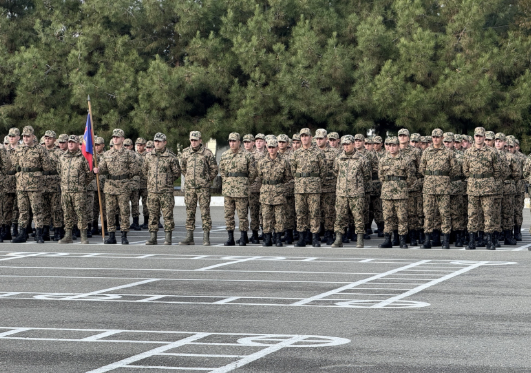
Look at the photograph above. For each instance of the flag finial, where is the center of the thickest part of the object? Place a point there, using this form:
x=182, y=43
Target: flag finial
x=88, y=97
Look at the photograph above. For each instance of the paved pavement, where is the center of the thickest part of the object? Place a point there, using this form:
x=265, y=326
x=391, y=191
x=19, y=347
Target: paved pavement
x=100, y=308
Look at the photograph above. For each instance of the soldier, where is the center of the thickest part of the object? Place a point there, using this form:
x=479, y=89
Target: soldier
x=161, y=169
x=10, y=206
x=378, y=148
x=62, y=142
x=353, y=173
x=30, y=161
x=482, y=166
x=238, y=171
x=140, y=144
x=333, y=140
x=273, y=172
x=51, y=196
x=438, y=165
x=328, y=186
x=75, y=175
x=359, y=143
x=423, y=143
x=199, y=168
x=308, y=168
x=289, y=221
x=519, y=199
x=415, y=140
x=397, y=174
x=99, y=145
x=149, y=146
x=135, y=188
x=119, y=165
x=458, y=199
x=296, y=138
x=254, y=195
x=259, y=142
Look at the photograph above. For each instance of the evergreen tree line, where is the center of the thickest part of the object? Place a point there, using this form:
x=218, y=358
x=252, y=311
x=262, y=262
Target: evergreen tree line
x=270, y=66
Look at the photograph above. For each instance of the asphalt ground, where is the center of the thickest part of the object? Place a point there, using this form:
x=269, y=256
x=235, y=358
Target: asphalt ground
x=100, y=308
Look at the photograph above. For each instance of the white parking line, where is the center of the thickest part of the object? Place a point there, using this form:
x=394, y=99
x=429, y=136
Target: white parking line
x=111, y=289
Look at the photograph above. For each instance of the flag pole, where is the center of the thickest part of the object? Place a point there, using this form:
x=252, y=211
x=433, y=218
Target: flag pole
x=95, y=160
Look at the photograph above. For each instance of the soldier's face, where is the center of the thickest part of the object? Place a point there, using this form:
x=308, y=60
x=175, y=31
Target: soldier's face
x=368, y=146
x=195, y=143
x=130, y=147
x=282, y=145
x=359, y=144
x=49, y=141
x=140, y=147
x=403, y=139
x=306, y=140
x=437, y=141
x=13, y=140
x=449, y=144
x=272, y=150
x=333, y=143
x=234, y=144
x=321, y=142
x=296, y=144
x=457, y=145
x=149, y=149
x=393, y=148
x=117, y=140
x=99, y=147
x=465, y=144
x=479, y=140
x=159, y=145
x=28, y=139
x=73, y=146
x=349, y=148
x=423, y=145
x=500, y=144
x=63, y=145
x=259, y=143
x=248, y=145
x=377, y=147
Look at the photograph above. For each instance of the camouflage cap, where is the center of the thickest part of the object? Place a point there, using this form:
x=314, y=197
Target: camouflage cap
x=260, y=136
x=282, y=138
x=149, y=144
x=458, y=137
x=479, y=131
x=333, y=135
x=415, y=137
x=369, y=140
x=424, y=139
x=50, y=133
x=347, y=139
x=489, y=135
x=403, y=131
x=429, y=139
x=141, y=141
x=195, y=135
x=159, y=136
x=392, y=140
x=272, y=142
x=42, y=140
x=234, y=136
x=510, y=142
x=359, y=136
x=296, y=137
x=27, y=131
x=437, y=132
x=248, y=138
x=305, y=131
x=63, y=138
x=128, y=142
x=99, y=141
x=516, y=141
x=81, y=138
x=269, y=137
x=448, y=137
x=13, y=132
x=118, y=133
x=500, y=136
x=320, y=133
x=73, y=138
x=377, y=139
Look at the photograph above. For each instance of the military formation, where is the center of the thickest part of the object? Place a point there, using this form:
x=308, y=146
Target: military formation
x=430, y=191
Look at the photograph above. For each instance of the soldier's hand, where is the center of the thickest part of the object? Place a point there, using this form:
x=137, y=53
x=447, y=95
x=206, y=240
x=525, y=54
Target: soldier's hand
x=95, y=169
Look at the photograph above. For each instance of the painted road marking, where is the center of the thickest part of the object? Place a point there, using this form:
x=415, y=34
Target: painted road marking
x=263, y=344
x=87, y=295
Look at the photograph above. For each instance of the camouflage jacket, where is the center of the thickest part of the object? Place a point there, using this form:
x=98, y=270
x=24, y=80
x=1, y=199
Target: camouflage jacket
x=512, y=172
x=143, y=180
x=308, y=168
x=289, y=187
x=199, y=167
x=30, y=162
x=397, y=174
x=10, y=181
x=74, y=172
x=372, y=160
x=119, y=166
x=353, y=173
x=135, y=180
x=520, y=184
x=438, y=166
x=51, y=179
x=238, y=172
x=482, y=167
x=256, y=186
x=273, y=174
x=161, y=169
x=414, y=154
x=458, y=182
x=329, y=182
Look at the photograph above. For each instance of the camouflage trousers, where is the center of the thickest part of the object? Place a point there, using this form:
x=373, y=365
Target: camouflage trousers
x=328, y=210
x=519, y=202
x=254, y=208
x=458, y=212
x=507, y=211
x=497, y=218
x=433, y=204
x=96, y=207
x=51, y=210
x=191, y=198
x=74, y=209
x=395, y=215
x=366, y=208
x=90, y=206
x=135, y=203
x=307, y=206
x=9, y=208
x=143, y=194
x=274, y=216
x=118, y=203
x=233, y=205
x=375, y=210
x=415, y=204
x=478, y=205
x=289, y=222
x=27, y=201
x=345, y=206
x=161, y=202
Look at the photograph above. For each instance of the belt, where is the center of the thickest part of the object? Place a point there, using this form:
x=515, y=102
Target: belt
x=272, y=182
x=394, y=178
x=457, y=178
x=306, y=174
x=50, y=173
x=11, y=172
x=238, y=174
x=120, y=177
x=481, y=176
x=375, y=177
x=508, y=182
x=29, y=169
x=436, y=173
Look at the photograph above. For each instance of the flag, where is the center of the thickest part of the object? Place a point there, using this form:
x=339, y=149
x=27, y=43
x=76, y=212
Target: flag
x=87, y=147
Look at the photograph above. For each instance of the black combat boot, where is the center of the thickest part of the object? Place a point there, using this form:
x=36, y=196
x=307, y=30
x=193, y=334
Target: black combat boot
x=7, y=233
x=302, y=239
x=446, y=241
x=396, y=240
x=254, y=237
x=436, y=238
x=518, y=232
x=490, y=243
x=46, y=233
x=125, y=241
x=367, y=233
x=345, y=237
x=111, y=239
x=465, y=237
x=38, y=235
x=56, y=234
x=330, y=240
x=95, y=230
x=427, y=241
x=21, y=237
x=267, y=240
x=230, y=241
x=75, y=233
x=352, y=233
x=509, y=239
x=295, y=235
x=481, y=239
x=279, y=240
x=387, y=244
x=380, y=229
x=308, y=237
x=321, y=230
x=2, y=234
x=325, y=237
x=458, y=238
x=421, y=235
x=402, y=240
x=89, y=230
x=413, y=237
x=117, y=220
x=288, y=236
x=243, y=238
x=145, y=225
x=14, y=230
x=315, y=240
x=136, y=226
x=496, y=239
x=471, y=241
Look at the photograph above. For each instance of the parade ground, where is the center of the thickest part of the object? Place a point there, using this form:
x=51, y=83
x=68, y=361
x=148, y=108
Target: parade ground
x=135, y=308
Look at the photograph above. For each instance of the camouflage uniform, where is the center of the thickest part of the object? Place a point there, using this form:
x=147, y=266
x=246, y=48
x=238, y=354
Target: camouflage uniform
x=291, y=216
x=10, y=206
x=415, y=190
x=519, y=199
x=51, y=195
x=458, y=192
x=254, y=190
x=513, y=174
x=375, y=206
x=199, y=169
x=372, y=160
x=328, y=185
x=135, y=186
x=142, y=189
x=96, y=207
x=308, y=168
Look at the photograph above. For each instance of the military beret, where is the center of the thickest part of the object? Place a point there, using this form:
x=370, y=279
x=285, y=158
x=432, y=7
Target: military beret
x=63, y=138
x=149, y=144
x=489, y=135
x=195, y=135
x=333, y=135
x=118, y=133
x=27, y=131
x=140, y=141
x=320, y=133
x=260, y=136
x=13, y=132
x=296, y=137
x=437, y=132
x=50, y=133
x=248, y=138
x=359, y=136
x=415, y=137
x=347, y=139
x=305, y=131
x=99, y=141
x=480, y=131
x=73, y=138
x=128, y=142
x=448, y=137
x=403, y=131
x=159, y=136
x=282, y=138
x=272, y=142
x=377, y=139
x=500, y=136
